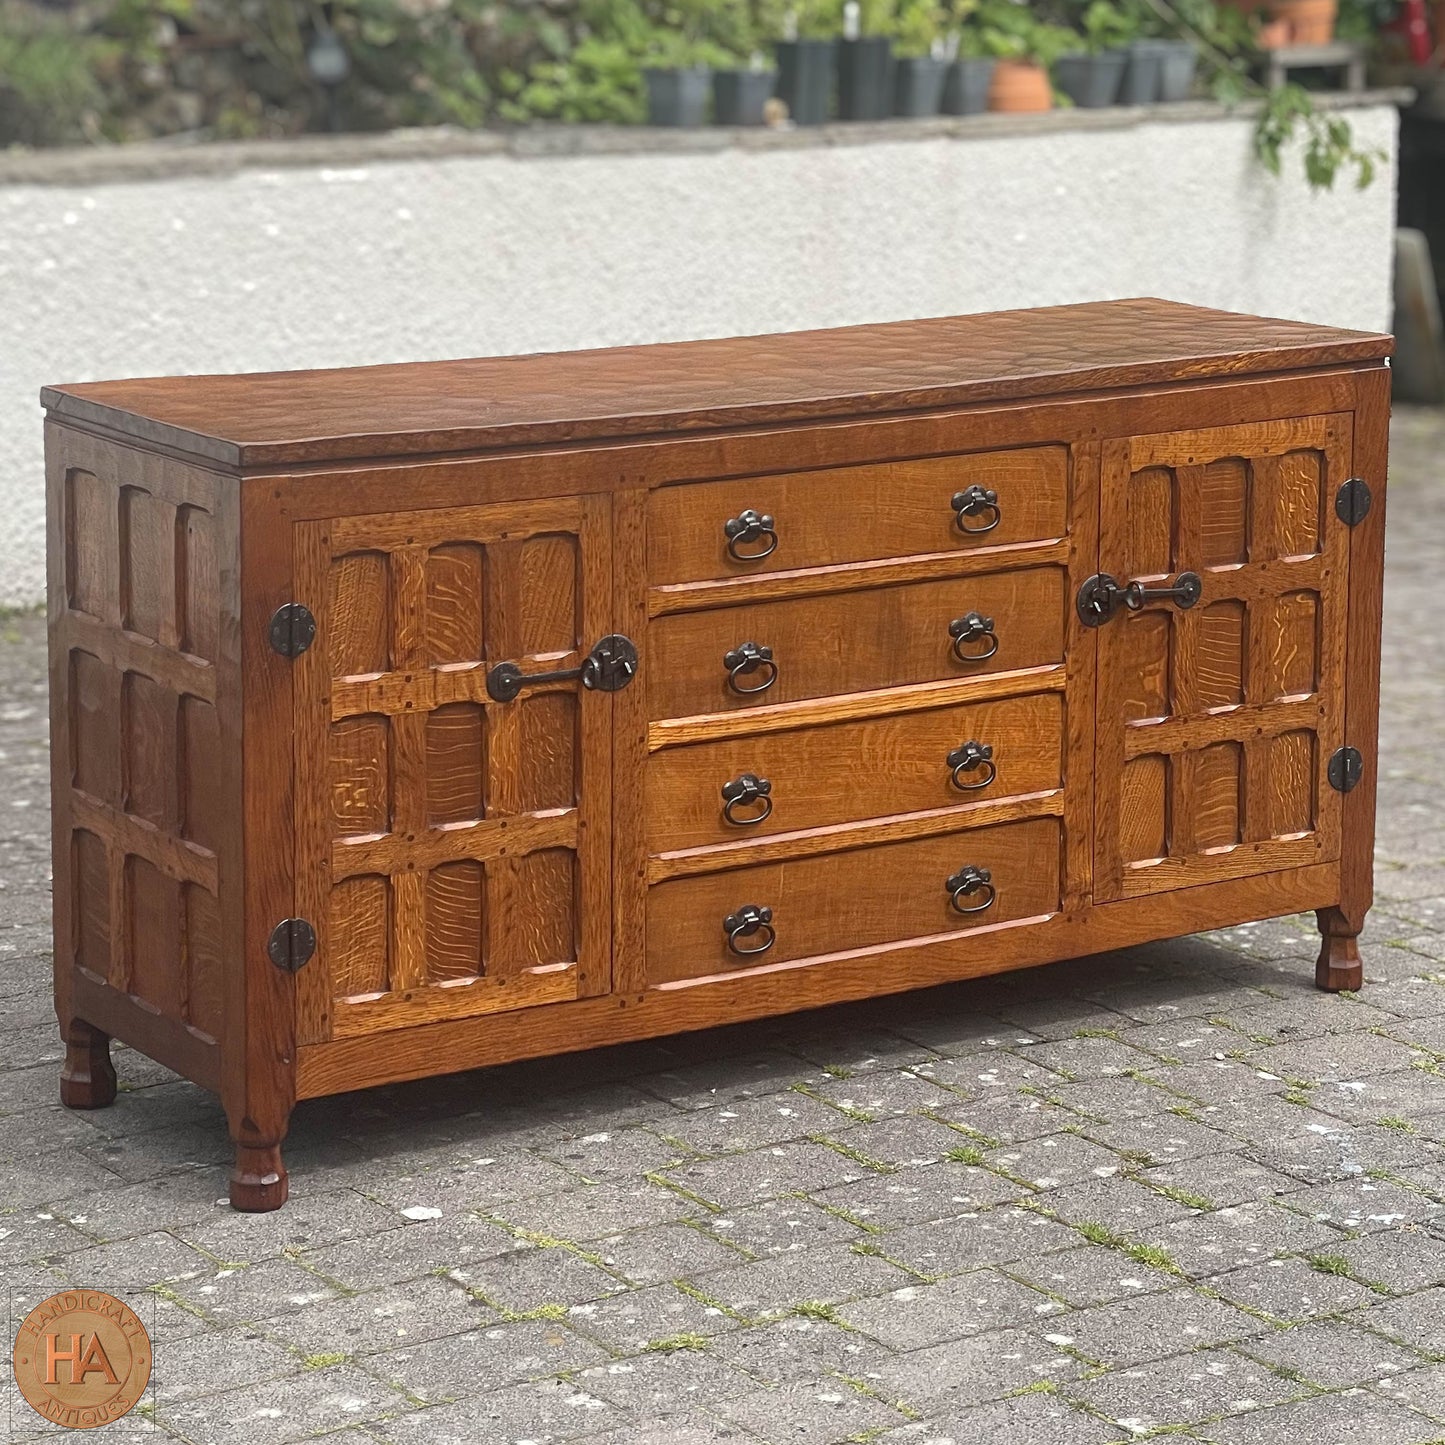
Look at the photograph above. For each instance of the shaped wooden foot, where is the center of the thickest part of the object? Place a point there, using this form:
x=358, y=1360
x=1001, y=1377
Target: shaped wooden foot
x=1339, y=965
x=87, y=1077
x=258, y=1180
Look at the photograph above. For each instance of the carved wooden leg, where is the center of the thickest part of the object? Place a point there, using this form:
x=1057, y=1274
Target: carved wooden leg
x=258, y=1180
x=1339, y=965
x=87, y=1077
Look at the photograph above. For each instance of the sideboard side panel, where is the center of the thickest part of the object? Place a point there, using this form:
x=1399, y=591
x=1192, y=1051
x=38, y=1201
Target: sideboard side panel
x=141, y=551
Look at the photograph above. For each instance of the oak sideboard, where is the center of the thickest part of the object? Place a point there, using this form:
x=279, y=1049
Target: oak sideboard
x=407, y=719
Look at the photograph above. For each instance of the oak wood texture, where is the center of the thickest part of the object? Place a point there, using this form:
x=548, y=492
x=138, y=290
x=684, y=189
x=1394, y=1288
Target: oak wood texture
x=281, y=418
x=856, y=514
x=853, y=901
x=492, y=881
x=846, y=772
x=854, y=642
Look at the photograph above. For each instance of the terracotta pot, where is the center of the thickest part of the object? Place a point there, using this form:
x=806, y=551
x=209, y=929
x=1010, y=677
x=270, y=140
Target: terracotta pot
x=1018, y=85
x=1310, y=22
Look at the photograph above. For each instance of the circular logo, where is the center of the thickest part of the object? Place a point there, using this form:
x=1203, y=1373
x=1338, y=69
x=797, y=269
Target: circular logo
x=82, y=1358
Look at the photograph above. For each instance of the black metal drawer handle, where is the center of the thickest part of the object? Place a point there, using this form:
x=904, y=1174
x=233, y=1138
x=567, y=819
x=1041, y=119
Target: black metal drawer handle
x=976, y=501
x=609, y=667
x=745, y=529
x=750, y=921
x=969, y=880
x=972, y=756
x=747, y=659
x=969, y=628
x=743, y=792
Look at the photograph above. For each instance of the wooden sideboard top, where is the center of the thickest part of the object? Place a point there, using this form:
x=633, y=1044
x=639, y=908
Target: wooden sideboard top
x=280, y=419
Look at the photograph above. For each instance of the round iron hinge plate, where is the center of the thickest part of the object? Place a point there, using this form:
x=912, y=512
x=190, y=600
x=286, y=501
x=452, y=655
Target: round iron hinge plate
x=1346, y=769
x=1352, y=501
x=291, y=944
x=293, y=629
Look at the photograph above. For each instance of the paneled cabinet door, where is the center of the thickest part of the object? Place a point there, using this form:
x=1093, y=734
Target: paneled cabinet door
x=451, y=850
x=1216, y=721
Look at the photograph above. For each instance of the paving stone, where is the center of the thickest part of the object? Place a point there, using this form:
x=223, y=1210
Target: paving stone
x=913, y=1196
x=1164, y=1138
x=1417, y=1319
x=755, y=1123
x=826, y=1275
x=711, y=1082
x=800, y=1348
x=1411, y=1094
x=383, y=1319
x=906, y=1143
x=882, y=1092
x=665, y=1252
x=915, y=1316
x=1422, y=1388
x=1185, y=1389
x=281, y=1410
x=1223, y=1180
x=1151, y=1326
x=766, y=1173
x=481, y=1183
x=312, y=1223
x=59, y=1174
x=1120, y=1204
x=1291, y=1290
x=1056, y=1161
x=822, y=1412
x=986, y=1236
x=480, y=1360
x=1008, y=1118
x=1034, y=1419
x=602, y=1209
x=1108, y=1101
x=1345, y=1417
x=214, y=1360
x=540, y=1413
x=1091, y=1056
x=969, y=1371
x=628, y=1323
x=242, y=1293
x=1331, y=1355
x=1003, y=1070
x=666, y=1383
x=1094, y=1274
x=132, y=1264
x=1207, y=1244
x=410, y=1251
x=678, y=1431
x=615, y=1154
x=1400, y=1259
x=783, y=1226
x=1362, y=1204
x=535, y=1276
x=1336, y=1057
x=167, y=1202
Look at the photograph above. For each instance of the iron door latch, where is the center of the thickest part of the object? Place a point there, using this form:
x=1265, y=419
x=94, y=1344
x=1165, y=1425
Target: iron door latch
x=1102, y=595
x=609, y=667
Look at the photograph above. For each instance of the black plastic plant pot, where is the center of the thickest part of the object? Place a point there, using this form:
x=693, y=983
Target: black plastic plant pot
x=865, y=78
x=918, y=85
x=805, y=79
x=740, y=97
x=1143, y=73
x=1178, y=60
x=965, y=87
x=678, y=97
x=1091, y=81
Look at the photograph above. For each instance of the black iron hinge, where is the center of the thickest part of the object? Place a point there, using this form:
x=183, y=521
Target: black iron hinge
x=1352, y=501
x=293, y=629
x=1346, y=769
x=291, y=944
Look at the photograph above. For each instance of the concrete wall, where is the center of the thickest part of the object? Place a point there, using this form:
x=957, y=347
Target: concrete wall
x=111, y=269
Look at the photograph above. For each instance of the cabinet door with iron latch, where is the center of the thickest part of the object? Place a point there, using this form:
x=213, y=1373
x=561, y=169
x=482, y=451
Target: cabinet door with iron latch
x=1220, y=610
x=453, y=762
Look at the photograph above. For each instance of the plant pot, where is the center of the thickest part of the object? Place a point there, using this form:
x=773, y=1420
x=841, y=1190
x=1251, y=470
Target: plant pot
x=1143, y=74
x=1019, y=86
x=1311, y=22
x=918, y=85
x=965, y=87
x=805, y=79
x=739, y=97
x=865, y=78
x=678, y=97
x=1178, y=60
x=1091, y=81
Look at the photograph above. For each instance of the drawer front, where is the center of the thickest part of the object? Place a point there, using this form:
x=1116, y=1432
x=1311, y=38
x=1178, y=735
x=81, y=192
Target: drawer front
x=846, y=772
x=852, y=641
x=855, y=514
x=889, y=893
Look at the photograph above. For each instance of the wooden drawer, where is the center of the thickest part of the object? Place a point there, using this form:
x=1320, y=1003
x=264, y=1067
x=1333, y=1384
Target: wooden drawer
x=852, y=641
x=846, y=772
x=856, y=514
x=889, y=893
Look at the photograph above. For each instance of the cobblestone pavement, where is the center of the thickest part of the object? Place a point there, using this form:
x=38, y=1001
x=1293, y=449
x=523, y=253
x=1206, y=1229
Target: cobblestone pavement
x=1172, y=1189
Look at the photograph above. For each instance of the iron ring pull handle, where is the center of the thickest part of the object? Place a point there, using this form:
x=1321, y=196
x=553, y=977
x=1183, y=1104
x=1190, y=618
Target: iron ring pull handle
x=747, y=659
x=972, y=755
x=976, y=501
x=609, y=667
x=745, y=529
x=750, y=921
x=969, y=628
x=969, y=880
x=1184, y=593
x=742, y=792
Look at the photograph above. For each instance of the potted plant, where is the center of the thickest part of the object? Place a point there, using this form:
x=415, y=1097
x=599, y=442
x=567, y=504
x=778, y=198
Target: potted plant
x=970, y=66
x=806, y=63
x=1023, y=48
x=1091, y=77
x=1305, y=22
x=865, y=60
x=678, y=77
x=740, y=95
x=919, y=66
